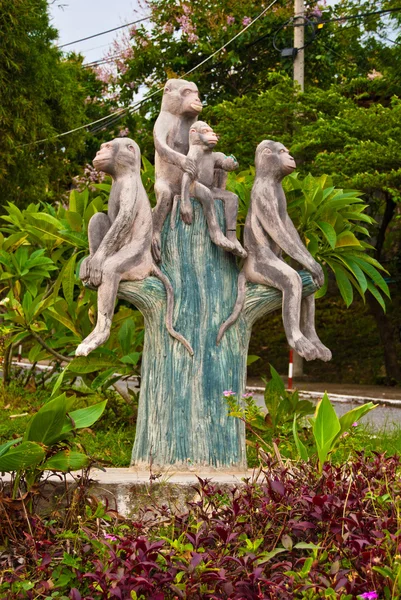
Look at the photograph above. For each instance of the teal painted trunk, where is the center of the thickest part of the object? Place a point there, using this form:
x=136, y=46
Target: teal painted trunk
x=182, y=416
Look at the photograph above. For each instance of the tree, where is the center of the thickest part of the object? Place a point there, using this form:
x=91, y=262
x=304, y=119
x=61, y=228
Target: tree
x=343, y=132
x=41, y=94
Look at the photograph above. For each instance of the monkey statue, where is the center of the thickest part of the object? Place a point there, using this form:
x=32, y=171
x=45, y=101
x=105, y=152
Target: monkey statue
x=180, y=108
x=202, y=140
x=120, y=242
x=269, y=231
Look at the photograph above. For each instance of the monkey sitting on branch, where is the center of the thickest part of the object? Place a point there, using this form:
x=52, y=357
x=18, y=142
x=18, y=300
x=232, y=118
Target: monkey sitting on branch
x=269, y=231
x=120, y=242
x=202, y=140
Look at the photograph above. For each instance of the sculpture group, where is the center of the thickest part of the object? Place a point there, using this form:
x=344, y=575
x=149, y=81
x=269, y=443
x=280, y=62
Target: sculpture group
x=125, y=244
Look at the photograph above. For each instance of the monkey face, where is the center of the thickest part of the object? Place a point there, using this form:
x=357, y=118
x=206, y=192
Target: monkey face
x=202, y=134
x=275, y=158
x=181, y=97
x=117, y=156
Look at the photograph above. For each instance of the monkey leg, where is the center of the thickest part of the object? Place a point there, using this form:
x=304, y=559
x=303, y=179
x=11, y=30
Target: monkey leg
x=230, y=201
x=106, y=298
x=164, y=196
x=268, y=269
x=186, y=211
x=98, y=226
x=308, y=327
x=205, y=197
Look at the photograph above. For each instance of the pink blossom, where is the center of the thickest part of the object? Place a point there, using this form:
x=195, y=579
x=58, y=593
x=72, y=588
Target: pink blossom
x=246, y=21
x=186, y=9
x=247, y=395
x=123, y=132
x=110, y=537
x=192, y=37
x=355, y=424
x=369, y=596
x=230, y=20
x=228, y=393
x=133, y=31
x=316, y=12
x=168, y=28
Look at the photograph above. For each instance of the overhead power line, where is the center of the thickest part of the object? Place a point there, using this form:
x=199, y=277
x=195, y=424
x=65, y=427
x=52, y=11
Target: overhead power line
x=119, y=113
x=89, y=37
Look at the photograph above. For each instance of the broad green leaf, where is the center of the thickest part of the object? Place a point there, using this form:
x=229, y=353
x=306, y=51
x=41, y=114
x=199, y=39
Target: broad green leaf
x=354, y=415
x=48, y=422
x=63, y=319
x=329, y=232
x=251, y=359
x=306, y=546
x=325, y=428
x=374, y=274
x=346, y=238
x=302, y=451
x=59, y=382
x=65, y=461
x=89, y=364
x=84, y=417
x=343, y=282
x=8, y=445
x=374, y=291
x=68, y=280
x=266, y=556
x=102, y=378
x=26, y=455
x=126, y=334
x=355, y=270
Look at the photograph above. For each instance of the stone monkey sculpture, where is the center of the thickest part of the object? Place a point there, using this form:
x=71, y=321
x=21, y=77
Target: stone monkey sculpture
x=202, y=140
x=179, y=110
x=120, y=242
x=268, y=231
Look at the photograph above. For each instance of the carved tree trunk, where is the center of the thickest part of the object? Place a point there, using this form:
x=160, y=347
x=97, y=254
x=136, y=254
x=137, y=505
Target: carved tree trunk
x=182, y=416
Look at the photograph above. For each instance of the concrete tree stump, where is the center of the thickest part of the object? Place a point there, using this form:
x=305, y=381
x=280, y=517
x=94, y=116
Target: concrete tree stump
x=182, y=417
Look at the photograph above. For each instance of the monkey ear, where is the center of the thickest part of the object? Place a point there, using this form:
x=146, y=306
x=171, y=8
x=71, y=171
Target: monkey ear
x=131, y=148
x=166, y=89
x=192, y=130
x=267, y=152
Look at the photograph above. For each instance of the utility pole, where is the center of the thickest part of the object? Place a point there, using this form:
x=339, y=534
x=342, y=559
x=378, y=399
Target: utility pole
x=299, y=37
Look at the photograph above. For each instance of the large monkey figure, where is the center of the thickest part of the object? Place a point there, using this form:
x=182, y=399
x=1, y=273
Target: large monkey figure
x=120, y=242
x=180, y=108
x=202, y=140
x=268, y=231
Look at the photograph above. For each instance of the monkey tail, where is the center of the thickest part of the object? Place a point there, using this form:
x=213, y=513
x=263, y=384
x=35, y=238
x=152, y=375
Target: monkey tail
x=170, y=307
x=173, y=214
x=237, y=307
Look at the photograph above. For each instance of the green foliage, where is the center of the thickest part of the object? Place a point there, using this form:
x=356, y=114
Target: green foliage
x=48, y=443
x=41, y=94
x=282, y=406
x=327, y=428
x=45, y=305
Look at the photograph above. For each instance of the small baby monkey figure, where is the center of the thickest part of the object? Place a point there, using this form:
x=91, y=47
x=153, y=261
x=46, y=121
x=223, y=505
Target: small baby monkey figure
x=120, y=242
x=269, y=231
x=202, y=140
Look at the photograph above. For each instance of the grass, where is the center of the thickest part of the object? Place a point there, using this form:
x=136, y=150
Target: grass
x=111, y=439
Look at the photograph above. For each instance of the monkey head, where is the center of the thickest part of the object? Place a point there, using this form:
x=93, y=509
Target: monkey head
x=118, y=156
x=273, y=158
x=201, y=134
x=181, y=97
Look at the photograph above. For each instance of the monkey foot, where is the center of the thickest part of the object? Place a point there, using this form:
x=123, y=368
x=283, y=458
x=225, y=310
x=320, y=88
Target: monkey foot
x=323, y=353
x=93, y=341
x=186, y=212
x=305, y=348
x=220, y=240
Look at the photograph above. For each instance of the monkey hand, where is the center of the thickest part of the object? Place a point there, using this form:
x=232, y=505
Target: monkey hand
x=317, y=273
x=230, y=163
x=186, y=212
x=84, y=269
x=189, y=166
x=95, y=271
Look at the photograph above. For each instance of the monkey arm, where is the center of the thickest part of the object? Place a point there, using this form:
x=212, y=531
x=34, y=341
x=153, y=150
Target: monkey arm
x=283, y=232
x=160, y=133
x=227, y=163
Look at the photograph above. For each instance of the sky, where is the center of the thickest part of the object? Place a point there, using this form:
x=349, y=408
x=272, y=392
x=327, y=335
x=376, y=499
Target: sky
x=76, y=19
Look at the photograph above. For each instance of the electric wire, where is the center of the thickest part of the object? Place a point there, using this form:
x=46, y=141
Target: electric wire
x=136, y=105
x=89, y=37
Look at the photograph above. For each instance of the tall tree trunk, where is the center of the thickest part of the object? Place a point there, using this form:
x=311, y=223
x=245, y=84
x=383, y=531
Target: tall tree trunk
x=182, y=415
